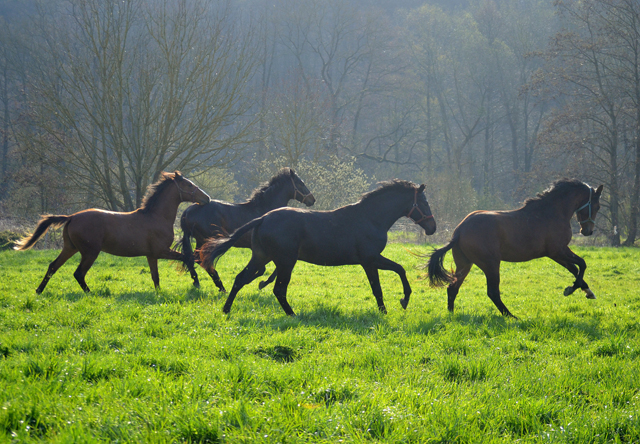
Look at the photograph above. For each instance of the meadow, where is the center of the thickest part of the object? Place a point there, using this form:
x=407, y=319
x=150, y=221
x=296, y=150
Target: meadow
x=128, y=364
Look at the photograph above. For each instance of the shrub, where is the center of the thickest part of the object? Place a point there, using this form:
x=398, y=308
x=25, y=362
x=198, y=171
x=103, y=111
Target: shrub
x=8, y=239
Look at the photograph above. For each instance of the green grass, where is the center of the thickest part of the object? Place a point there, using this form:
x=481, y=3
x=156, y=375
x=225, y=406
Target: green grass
x=127, y=364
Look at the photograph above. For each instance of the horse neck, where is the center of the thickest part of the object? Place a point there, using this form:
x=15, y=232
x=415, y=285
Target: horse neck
x=384, y=210
x=567, y=205
x=167, y=207
x=276, y=196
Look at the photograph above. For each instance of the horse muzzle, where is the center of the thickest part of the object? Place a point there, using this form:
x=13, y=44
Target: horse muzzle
x=309, y=200
x=202, y=198
x=587, y=229
x=429, y=226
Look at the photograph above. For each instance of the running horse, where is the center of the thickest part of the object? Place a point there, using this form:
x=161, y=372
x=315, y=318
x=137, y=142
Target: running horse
x=542, y=227
x=147, y=231
x=350, y=235
x=221, y=218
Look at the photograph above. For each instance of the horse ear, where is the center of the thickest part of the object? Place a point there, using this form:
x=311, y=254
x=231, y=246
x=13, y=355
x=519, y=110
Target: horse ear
x=177, y=175
x=293, y=173
x=599, y=190
x=421, y=188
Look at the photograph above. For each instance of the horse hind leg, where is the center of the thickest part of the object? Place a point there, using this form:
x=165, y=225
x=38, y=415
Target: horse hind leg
x=463, y=267
x=65, y=254
x=216, y=279
x=280, y=288
x=246, y=276
x=270, y=279
x=88, y=258
x=493, y=290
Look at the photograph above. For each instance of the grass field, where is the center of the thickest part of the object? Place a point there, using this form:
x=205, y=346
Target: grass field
x=127, y=364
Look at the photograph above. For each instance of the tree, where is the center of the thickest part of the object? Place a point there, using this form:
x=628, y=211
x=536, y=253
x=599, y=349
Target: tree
x=593, y=66
x=127, y=89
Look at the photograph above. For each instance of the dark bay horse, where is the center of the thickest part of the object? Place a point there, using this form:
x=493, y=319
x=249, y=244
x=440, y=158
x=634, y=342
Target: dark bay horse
x=147, y=231
x=542, y=227
x=221, y=218
x=350, y=235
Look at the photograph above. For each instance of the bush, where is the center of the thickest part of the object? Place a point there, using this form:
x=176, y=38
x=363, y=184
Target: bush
x=8, y=239
x=334, y=183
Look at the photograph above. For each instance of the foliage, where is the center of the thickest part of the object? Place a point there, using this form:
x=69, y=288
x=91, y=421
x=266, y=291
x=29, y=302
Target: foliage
x=96, y=97
x=8, y=239
x=335, y=182
x=128, y=364
x=137, y=88
x=217, y=183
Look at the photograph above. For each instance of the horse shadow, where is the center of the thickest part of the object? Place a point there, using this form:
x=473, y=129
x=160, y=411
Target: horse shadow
x=537, y=328
x=323, y=315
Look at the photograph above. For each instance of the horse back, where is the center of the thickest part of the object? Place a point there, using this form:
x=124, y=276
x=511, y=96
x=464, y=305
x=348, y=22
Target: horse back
x=126, y=234
x=214, y=219
x=512, y=236
x=318, y=237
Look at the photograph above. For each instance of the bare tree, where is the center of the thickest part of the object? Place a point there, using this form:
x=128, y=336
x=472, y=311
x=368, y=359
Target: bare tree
x=127, y=89
x=582, y=68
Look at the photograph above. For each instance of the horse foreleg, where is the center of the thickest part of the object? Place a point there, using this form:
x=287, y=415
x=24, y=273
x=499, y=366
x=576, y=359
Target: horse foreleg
x=88, y=258
x=153, y=267
x=387, y=264
x=576, y=266
x=63, y=257
x=374, y=281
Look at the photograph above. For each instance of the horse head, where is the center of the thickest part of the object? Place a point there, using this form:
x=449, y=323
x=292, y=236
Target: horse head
x=300, y=191
x=188, y=191
x=420, y=212
x=586, y=214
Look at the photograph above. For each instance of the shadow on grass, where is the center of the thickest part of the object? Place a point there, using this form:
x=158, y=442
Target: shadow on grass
x=322, y=315
x=538, y=328
x=150, y=297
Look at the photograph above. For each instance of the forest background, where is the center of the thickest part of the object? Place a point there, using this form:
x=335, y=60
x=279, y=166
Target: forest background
x=485, y=101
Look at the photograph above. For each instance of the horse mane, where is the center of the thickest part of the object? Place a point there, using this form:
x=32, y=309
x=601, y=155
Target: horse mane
x=557, y=189
x=152, y=196
x=258, y=193
x=388, y=185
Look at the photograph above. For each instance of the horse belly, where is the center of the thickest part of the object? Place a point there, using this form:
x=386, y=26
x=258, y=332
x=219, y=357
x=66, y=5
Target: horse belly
x=327, y=251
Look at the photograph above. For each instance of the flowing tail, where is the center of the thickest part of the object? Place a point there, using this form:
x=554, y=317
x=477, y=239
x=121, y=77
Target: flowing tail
x=438, y=276
x=216, y=247
x=184, y=244
x=45, y=223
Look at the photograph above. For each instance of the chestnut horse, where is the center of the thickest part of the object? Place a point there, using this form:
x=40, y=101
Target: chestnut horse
x=353, y=234
x=147, y=231
x=542, y=227
x=221, y=218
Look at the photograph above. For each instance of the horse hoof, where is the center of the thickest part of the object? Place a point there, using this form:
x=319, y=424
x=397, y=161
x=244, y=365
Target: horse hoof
x=404, y=303
x=262, y=284
x=568, y=291
x=590, y=294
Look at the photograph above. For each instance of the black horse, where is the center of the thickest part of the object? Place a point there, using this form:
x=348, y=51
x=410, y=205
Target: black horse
x=542, y=227
x=354, y=234
x=219, y=218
